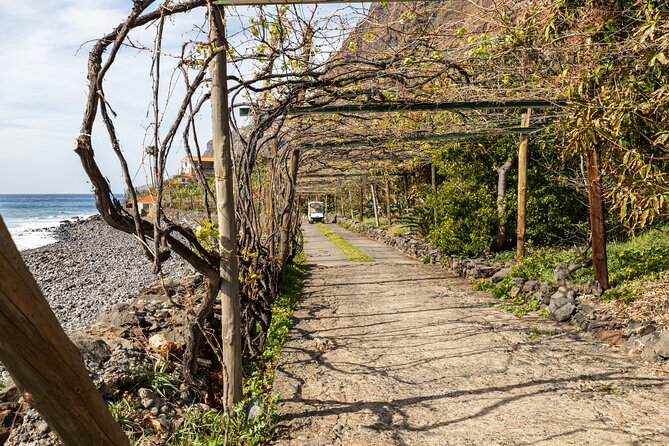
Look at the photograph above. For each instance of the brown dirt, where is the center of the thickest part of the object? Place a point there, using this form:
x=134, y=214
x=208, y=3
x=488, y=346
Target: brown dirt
x=407, y=354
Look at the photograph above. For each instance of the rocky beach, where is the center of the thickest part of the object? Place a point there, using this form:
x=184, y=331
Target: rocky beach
x=91, y=268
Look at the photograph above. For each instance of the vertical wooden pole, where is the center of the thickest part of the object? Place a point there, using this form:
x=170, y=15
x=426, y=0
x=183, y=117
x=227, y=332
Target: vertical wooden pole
x=522, y=185
x=225, y=207
x=361, y=192
x=597, y=226
x=434, y=189
x=350, y=202
x=270, y=212
x=376, y=206
x=44, y=363
x=390, y=220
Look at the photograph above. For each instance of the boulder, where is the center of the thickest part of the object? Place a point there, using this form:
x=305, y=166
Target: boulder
x=561, y=307
x=661, y=346
x=500, y=275
x=594, y=288
x=649, y=354
x=530, y=286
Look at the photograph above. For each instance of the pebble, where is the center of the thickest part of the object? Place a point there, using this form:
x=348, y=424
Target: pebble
x=91, y=268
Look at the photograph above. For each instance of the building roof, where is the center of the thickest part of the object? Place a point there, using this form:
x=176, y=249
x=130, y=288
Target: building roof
x=147, y=199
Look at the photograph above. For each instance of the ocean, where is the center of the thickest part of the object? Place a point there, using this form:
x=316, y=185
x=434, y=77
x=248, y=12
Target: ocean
x=32, y=219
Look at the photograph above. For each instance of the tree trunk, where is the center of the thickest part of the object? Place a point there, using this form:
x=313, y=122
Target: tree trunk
x=361, y=210
x=390, y=219
x=225, y=206
x=376, y=208
x=522, y=186
x=502, y=228
x=45, y=365
x=433, y=172
x=597, y=227
x=286, y=232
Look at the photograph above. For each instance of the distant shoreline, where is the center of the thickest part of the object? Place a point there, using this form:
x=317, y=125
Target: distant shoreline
x=91, y=268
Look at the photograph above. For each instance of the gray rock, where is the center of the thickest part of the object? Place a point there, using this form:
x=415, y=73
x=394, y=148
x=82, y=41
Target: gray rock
x=649, y=354
x=563, y=313
x=530, y=286
x=518, y=281
x=558, y=295
x=253, y=409
x=661, y=346
x=587, y=310
x=147, y=398
x=561, y=307
x=515, y=291
x=94, y=350
x=500, y=275
x=632, y=346
x=594, y=288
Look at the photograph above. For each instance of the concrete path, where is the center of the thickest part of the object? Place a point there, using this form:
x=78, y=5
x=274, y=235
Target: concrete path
x=407, y=354
x=380, y=252
x=320, y=250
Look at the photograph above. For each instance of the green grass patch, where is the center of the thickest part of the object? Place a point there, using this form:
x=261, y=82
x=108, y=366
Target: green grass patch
x=534, y=333
x=350, y=251
x=645, y=257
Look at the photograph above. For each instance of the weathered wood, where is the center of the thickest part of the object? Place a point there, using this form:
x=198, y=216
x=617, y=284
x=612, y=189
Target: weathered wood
x=597, y=227
x=44, y=363
x=522, y=186
x=502, y=227
x=433, y=172
x=390, y=219
x=225, y=206
x=376, y=206
x=285, y=241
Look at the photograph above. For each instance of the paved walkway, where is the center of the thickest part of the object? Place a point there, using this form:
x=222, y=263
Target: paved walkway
x=401, y=353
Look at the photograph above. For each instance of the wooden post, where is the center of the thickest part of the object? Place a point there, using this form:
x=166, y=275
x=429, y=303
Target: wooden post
x=522, y=185
x=434, y=189
x=597, y=227
x=350, y=202
x=390, y=220
x=225, y=206
x=270, y=212
x=376, y=207
x=361, y=192
x=45, y=365
x=284, y=237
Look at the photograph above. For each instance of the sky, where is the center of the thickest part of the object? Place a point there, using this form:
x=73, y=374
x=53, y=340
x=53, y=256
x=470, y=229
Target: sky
x=43, y=89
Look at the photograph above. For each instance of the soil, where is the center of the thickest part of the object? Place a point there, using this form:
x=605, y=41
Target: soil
x=400, y=353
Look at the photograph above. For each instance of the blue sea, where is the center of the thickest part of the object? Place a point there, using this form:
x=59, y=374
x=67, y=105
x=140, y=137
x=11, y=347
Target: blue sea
x=32, y=219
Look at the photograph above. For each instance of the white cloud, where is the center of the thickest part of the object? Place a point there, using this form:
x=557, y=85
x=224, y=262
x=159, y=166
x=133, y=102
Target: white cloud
x=43, y=88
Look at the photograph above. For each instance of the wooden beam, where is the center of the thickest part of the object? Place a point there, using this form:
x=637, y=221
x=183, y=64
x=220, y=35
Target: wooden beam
x=375, y=142
x=428, y=106
x=433, y=172
x=44, y=363
x=390, y=220
x=597, y=227
x=522, y=186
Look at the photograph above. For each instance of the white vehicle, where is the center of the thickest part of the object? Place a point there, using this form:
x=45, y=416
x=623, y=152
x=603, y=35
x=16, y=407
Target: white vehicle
x=315, y=211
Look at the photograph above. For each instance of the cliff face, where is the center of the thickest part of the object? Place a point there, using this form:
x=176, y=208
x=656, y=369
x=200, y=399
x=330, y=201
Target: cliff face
x=441, y=26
